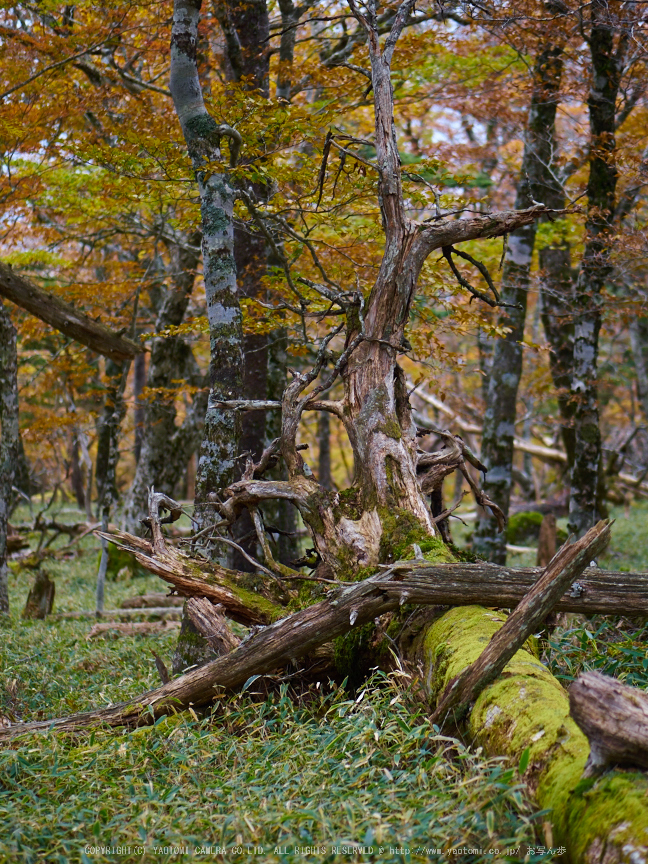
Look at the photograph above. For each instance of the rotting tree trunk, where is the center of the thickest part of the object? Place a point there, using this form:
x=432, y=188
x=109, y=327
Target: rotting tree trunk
x=607, y=68
x=597, y=591
x=9, y=440
x=506, y=369
x=614, y=717
x=567, y=566
x=526, y=711
x=40, y=601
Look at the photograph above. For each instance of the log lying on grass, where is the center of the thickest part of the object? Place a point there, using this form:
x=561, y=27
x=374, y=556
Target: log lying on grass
x=524, y=715
x=263, y=652
x=528, y=616
x=596, y=591
x=614, y=717
x=267, y=650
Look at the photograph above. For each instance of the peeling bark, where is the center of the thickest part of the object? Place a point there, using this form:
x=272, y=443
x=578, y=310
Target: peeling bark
x=614, y=717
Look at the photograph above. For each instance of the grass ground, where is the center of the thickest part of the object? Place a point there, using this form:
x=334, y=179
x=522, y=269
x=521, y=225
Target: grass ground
x=263, y=774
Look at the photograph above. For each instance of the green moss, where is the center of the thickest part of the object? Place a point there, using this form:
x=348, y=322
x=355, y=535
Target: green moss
x=523, y=526
x=526, y=708
x=401, y=529
x=348, y=504
x=118, y=560
x=355, y=653
x=391, y=428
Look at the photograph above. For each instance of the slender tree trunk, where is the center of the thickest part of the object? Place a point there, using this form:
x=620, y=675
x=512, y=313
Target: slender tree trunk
x=107, y=460
x=504, y=379
x=165, y=447
x=139, y=382
x=595, y=267
x=9, y=439
x=556, y=293
x=639, y=344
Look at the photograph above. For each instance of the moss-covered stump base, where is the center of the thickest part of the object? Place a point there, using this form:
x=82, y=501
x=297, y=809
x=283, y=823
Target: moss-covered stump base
x=602, y=821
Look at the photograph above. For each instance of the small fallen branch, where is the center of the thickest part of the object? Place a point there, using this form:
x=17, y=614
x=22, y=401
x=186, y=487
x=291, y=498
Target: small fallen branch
x=149, y=612
x=614, y=717
x=134, y=628
x=528, y=616
x=152, y=601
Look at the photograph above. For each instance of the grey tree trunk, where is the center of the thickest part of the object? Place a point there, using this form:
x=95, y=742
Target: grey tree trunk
x=506, y=369
x=639, y=345
x=607, y=66
x=203, y=136
x=9, y=439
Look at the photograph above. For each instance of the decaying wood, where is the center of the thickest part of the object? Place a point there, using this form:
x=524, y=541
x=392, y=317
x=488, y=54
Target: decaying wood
x=41, y=597
x=596, y=591
x=132, y=628
x=614, y=717
x=265, y=651
x=524, y=717
x=148, y=612
x=198, y=577
x=65, y=318
x=547, y=540
x=152, y=601
x=461, y=584
x=561, y=572
x=210, y=621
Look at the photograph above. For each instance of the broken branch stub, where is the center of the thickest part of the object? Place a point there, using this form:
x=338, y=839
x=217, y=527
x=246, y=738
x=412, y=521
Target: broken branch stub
x=614, y=717
x=566, y=566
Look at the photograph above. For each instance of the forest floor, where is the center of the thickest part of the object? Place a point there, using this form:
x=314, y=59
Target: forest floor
x=265, y=776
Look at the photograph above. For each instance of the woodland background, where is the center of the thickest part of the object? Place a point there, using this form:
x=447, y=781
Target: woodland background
x=492, y=102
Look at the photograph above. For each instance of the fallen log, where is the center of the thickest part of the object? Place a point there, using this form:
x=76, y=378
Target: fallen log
x=65, y=318
x=524, y=715
x=152, y=601
x=565, y=567
x=148, y=612
x=192, y=577
x=614, y=717
x=605, y=592
x=266, y=650
x=133, y=628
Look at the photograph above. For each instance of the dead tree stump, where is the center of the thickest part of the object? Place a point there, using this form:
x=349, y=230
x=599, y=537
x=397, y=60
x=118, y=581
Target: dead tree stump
x=546, y=540
x=614, y=717
x=41, y=597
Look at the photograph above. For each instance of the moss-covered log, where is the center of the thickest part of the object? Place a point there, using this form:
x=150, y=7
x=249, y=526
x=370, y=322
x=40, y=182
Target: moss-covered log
x=602, y=821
